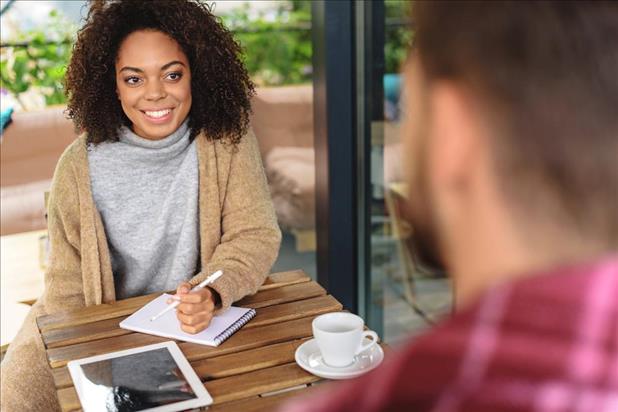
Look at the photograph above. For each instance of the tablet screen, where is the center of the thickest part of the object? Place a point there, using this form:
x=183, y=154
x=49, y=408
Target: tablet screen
x=133, y=382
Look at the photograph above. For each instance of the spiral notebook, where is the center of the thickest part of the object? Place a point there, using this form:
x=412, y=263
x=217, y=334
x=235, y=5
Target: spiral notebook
x=221, y=327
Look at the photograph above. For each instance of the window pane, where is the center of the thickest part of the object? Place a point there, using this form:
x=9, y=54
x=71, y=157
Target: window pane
x=276, y=39
x=412, y=296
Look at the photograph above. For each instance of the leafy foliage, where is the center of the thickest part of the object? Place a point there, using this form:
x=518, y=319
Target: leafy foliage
x=398, y=36
x=277, y=46
x=41, y=62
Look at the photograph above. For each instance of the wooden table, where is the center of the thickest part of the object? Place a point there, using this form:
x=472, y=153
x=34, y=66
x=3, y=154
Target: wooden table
x=242, y=374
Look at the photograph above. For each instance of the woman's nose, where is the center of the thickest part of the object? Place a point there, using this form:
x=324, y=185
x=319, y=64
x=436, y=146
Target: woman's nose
x=155, y=90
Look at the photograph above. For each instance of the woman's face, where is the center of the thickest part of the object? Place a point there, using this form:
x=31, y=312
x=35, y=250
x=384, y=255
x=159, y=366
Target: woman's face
x=153, y=83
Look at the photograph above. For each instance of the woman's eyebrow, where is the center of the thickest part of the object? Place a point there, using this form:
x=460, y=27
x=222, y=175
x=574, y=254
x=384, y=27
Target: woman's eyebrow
x=131, y=69
x=164, y=67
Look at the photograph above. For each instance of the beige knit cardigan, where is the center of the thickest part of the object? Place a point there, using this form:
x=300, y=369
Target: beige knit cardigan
x=238, y=233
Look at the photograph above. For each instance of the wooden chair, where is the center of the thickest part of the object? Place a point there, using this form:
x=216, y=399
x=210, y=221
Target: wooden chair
x=395, y=196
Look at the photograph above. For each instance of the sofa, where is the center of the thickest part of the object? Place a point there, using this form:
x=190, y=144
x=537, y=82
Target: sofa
x=30, y=148
x=283, y=124
x=282, y=120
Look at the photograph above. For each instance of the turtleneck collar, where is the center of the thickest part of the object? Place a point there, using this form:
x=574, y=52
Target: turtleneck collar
x=127, y=136
x=134, y=148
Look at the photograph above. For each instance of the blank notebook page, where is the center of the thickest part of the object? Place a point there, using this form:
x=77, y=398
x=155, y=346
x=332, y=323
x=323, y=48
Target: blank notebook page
x=221, y=326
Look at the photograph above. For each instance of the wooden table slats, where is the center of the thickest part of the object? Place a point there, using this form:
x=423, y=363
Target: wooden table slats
x=69, y=401
x=284, y=294
x=102, y=329
x=257, y=382
x=241, y=374
x=231, y=388
x=262, y=403
x=266, y=315
x=247, y=361
x=275, y=280
x=222, y=366
x=128, y=306
x=251, y=338
x=244, y=339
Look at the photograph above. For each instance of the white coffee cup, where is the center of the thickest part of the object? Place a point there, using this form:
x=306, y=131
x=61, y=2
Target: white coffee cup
x=340, y=337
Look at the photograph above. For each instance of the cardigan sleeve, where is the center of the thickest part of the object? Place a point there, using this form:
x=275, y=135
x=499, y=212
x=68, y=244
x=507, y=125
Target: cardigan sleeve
x=27, y=382
x=63, y=277
x=250, y=237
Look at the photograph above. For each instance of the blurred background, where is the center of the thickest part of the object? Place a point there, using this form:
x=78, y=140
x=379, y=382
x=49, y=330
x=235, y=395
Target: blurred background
x=326, y=116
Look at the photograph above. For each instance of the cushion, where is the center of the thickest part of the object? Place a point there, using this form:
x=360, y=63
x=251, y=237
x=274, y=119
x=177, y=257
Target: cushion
x=22, y=207
x=291, y=177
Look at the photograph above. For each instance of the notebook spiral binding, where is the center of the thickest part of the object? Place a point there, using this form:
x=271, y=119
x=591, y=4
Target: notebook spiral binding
x=234, y=327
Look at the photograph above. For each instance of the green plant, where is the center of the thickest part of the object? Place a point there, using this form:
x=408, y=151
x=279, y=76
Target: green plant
x=277, y=49
x=38, y=60
x=398, y=36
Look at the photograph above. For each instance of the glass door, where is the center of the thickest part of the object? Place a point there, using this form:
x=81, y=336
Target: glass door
x=403, y=297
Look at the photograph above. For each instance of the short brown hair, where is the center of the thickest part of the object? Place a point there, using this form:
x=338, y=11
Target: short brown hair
x=548, y=74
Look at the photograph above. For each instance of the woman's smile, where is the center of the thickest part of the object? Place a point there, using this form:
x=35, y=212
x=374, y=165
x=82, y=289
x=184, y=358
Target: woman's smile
x=158, y=116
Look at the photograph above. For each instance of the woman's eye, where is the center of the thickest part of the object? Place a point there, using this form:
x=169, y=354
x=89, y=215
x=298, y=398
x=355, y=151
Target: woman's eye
x=174, y=76
x=132, y=80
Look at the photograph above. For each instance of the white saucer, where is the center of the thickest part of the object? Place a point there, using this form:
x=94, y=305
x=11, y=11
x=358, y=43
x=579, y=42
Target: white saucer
x=309, y=358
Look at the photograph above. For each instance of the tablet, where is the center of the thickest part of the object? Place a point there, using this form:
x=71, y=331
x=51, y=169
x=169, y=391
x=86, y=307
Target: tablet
x=149, y=378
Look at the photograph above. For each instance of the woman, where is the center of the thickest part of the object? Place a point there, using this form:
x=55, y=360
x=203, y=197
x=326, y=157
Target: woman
x=165, y=186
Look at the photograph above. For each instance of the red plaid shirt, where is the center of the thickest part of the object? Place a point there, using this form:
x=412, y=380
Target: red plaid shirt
x=546, y=343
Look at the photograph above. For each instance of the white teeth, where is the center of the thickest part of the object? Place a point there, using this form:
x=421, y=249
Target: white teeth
x=158, y=114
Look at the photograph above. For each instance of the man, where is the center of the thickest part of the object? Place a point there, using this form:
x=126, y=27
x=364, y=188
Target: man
x=512, y=150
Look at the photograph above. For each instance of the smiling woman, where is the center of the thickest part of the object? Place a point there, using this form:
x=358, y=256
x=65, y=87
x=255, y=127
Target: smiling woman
x=165, y=185
x=220, y=87
x=153, y=82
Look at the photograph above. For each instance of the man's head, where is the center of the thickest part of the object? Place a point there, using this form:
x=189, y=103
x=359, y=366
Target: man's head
x=512, y=133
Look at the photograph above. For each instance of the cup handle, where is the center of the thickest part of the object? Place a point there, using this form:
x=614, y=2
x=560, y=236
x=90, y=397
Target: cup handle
x=364, y=347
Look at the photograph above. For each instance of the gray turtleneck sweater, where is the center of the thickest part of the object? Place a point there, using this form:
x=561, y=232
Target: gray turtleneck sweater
x=147, y=194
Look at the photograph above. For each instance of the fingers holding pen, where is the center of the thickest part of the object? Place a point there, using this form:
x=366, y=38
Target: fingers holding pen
x=196, y=308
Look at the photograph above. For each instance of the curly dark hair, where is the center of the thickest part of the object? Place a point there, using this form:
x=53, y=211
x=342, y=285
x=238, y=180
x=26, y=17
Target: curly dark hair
x=220, y=85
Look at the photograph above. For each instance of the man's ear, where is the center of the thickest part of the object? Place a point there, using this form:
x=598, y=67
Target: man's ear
x=455, y=137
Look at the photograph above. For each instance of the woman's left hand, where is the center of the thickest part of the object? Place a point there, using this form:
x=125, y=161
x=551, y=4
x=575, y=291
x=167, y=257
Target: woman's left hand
x=196, y=309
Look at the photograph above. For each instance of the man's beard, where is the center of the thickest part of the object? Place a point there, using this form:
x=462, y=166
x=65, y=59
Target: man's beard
x=423, y=246
x=423, y=243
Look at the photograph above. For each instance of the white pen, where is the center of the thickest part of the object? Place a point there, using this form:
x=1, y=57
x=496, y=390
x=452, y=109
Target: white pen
x=202, y=285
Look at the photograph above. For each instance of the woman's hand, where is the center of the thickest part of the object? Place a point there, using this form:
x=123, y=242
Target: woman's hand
x=196, y=309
